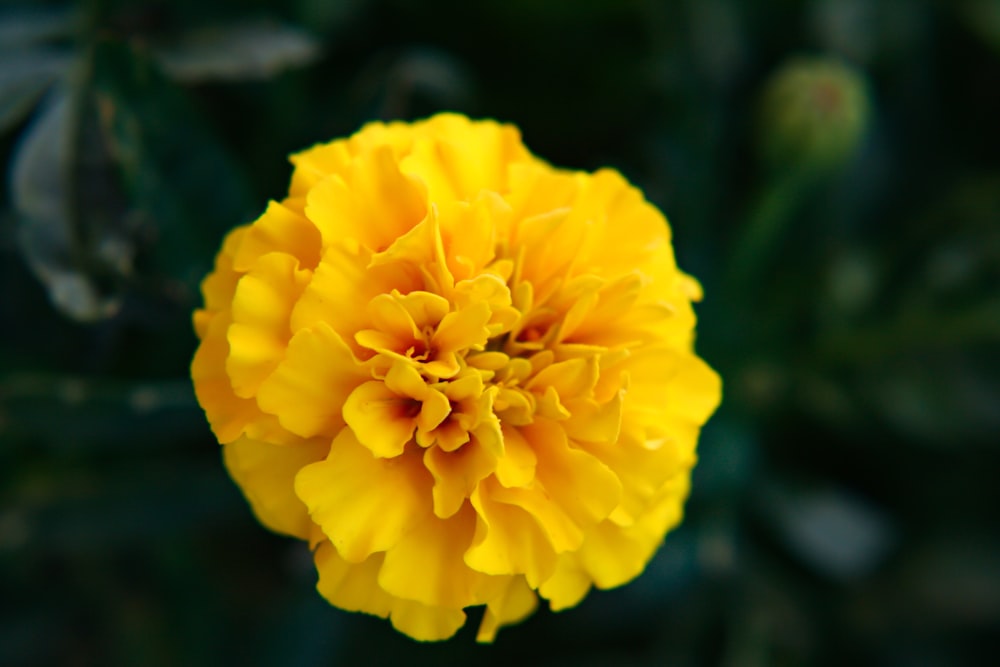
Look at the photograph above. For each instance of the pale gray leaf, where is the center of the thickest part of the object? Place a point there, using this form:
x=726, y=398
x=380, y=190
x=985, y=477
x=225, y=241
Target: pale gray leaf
x=41, y=199
x=24, y=77
x=39, y=189
x=243, y=51
x=832, y=530
x=22, y=27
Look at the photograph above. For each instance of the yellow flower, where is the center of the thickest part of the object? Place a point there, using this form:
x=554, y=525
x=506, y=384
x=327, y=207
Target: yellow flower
x=464, y=376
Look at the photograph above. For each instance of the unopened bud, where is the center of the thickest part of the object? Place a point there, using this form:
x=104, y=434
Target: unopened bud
x=814, y=114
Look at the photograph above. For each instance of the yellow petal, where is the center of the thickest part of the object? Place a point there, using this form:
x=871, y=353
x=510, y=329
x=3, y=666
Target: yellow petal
x=423, y=247
x=283, y=230
x=459, y=330
x=389, y=316
x=507, y=540
x=218, y=287
x=317, y=162
x=633, y=234
x=551, y=243
x=625, y=313
x=517, y=465
x=381, y=420
x=696, y=390
x=492, y=290
x=406, y=381
x=449, y=436
x=461, y=159
x=342, y=287
x=563, y=533
x=469, y=232
x=261, y=307
x=467, y=386
x=351, y=586
x=364, y=504
x=642, y=471
x=456, y=474
x=228, y=414
x=583, y=293
x=487, y=431
x=490, y=361
x=614, y=555
x=536, y=189
x=578, y=484
x=266, y=473
x=426, y=566
x=550, y=407
x=567, y=585
x=371, y=201
x=592, y=421
x=307, y=390
x=423, y=623
x=571, y=379
x=201, y=319
x=515, y=406
x=513, y=605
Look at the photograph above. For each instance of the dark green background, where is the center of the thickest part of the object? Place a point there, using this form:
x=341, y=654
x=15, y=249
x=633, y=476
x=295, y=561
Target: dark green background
x=844, y=510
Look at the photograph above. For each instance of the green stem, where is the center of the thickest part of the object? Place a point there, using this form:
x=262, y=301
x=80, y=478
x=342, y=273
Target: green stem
x=767, y=222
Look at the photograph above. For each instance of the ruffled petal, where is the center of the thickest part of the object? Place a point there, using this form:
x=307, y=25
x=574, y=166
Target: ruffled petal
x=381, y=420
x=424, y=623
x=569, y=584
x=266, y=473
x=508, y=540
x=586, y=488
x=259, y=333
x=370, y=201
x=307, y=390
x=516, y=602
x=614, y=555
x=362, y=503
x=445, y=580
x=228, y=415
x=351, y=586
x=456, y=474
x=517, y=465
x=282, y=230
x=342, y=287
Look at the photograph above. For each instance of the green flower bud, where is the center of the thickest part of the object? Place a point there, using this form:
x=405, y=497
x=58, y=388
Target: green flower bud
x=814, y=114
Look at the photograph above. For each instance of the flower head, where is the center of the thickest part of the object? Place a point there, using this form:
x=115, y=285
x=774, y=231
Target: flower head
x=464, y=376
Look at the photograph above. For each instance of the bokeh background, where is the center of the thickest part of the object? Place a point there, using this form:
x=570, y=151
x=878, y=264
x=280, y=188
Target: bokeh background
x=831, y=170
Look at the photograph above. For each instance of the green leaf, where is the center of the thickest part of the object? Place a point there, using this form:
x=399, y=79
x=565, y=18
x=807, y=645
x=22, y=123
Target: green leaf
x=240, y=51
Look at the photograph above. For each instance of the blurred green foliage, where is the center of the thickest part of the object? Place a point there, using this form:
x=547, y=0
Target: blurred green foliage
x=844, y=507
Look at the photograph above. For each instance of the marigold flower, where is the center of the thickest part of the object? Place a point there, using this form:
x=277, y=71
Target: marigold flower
x=464, y=376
